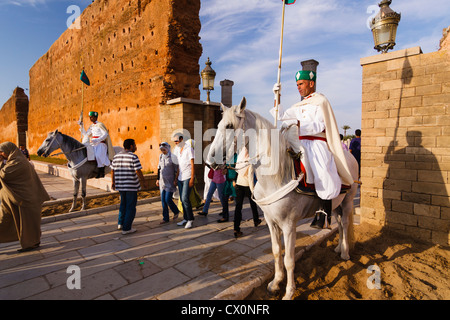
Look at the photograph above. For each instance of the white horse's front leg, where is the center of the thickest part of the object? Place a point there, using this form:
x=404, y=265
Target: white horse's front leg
x=289, y=260
x=275, y=234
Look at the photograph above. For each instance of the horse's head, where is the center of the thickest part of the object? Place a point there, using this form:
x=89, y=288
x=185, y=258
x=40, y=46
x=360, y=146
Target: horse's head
x=223, y=146
x=49, y=145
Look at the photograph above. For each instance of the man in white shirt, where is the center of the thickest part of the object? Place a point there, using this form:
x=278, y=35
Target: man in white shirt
x=184, y=153
x=312, y=130
x=99, y=139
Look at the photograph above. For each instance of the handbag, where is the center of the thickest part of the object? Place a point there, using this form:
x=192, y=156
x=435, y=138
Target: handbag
x=211, y=173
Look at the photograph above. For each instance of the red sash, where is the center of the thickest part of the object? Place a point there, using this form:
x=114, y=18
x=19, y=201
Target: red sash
x=312, y=138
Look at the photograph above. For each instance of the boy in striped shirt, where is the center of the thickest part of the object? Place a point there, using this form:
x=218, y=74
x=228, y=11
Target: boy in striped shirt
x=126, y=173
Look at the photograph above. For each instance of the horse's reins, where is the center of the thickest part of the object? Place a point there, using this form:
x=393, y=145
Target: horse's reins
x=66, y=153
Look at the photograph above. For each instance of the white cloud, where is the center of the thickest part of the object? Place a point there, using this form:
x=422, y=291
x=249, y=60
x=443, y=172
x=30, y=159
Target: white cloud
x=22, y=3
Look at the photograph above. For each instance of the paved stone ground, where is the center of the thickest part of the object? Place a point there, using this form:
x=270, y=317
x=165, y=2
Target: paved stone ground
x=60, y=188
x=158, y=262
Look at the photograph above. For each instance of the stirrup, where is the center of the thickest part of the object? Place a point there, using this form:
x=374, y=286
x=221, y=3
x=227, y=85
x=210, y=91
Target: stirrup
x=321, y=220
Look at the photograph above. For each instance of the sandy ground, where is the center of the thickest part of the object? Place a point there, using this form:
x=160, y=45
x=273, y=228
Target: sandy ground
x=409, y=269
x=93, y=203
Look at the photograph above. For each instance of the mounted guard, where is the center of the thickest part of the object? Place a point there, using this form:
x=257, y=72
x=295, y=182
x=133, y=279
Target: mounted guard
x=97, y=137
x=312, y=133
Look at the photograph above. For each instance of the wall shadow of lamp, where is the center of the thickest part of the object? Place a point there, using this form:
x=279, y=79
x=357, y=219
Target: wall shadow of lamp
x=391, y=155
x=384, y=27
x=208, y=77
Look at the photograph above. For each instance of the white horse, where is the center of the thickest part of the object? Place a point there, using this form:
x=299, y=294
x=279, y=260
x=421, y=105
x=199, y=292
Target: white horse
x=274, y=173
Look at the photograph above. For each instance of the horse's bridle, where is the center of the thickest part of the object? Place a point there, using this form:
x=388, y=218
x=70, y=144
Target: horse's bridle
x=60, y=147
x=241, y=126
x=46, y=154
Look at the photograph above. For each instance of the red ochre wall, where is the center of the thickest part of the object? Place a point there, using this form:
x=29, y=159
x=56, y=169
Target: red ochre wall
x=137, y=54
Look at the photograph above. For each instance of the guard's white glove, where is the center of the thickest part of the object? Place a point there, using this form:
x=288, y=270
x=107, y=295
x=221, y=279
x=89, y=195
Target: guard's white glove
x=276, y=90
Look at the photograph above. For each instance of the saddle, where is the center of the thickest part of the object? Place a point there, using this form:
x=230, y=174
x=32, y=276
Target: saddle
x=90, y=151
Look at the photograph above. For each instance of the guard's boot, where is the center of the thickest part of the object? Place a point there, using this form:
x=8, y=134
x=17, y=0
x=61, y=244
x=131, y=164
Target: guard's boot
x=101, y=173
x=323, y=216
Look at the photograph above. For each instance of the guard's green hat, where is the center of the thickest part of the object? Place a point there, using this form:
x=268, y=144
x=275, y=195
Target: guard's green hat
x=93, y=114
x=305, y=75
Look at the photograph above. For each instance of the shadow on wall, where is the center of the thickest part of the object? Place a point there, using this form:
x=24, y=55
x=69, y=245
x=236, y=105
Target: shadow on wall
x=414, y=190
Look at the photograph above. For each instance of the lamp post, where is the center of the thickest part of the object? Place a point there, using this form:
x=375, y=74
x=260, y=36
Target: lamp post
x=208, y=76
x=384, y=27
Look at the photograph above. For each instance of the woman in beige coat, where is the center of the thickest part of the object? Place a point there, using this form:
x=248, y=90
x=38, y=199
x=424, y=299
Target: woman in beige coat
x=21, y=196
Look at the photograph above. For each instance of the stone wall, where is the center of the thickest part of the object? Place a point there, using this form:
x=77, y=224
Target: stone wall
x=405, y=142
x=14, y=118
x=137, y=54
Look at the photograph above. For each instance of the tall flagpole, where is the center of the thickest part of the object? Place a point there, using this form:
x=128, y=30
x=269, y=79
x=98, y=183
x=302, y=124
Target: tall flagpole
x=277, y=100
x=82, y=100
x=82, y=107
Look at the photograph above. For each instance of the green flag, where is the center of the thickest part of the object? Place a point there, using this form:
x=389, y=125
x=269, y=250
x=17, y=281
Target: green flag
x=289, y=1
x=84, y=78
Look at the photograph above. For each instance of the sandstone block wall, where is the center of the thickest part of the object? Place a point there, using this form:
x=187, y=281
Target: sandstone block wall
x=137, y=54
x=406, y=142
x=14, y=118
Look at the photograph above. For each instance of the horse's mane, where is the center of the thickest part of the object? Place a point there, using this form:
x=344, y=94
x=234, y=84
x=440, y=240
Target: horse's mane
x=281, y=168
x=71, y=142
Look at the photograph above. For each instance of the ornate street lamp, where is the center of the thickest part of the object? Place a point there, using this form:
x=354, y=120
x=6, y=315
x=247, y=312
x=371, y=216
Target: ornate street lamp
x=208, y=76
x=384, y=27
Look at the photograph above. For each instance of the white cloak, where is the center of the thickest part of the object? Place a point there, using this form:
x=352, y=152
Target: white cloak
x=325, y=164
x=100, y=141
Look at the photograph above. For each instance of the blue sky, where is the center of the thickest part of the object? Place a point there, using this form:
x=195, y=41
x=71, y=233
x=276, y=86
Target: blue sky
x=242, y=40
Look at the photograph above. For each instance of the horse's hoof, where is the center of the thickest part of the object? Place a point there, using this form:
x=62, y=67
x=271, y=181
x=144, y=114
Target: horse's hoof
x=345, y=256
x=272, y=291
x=72, y=210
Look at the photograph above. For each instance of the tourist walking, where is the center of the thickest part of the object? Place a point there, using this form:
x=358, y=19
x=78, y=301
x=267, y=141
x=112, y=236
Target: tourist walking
x=25, y=152
x=126, y=173
x=344, y=146
x=217, y=182
x=242, y=186
x=355, y=149
x=207, y=181
x=229, y=190
x=167, y=170
x=21, y=195
x=185, y=176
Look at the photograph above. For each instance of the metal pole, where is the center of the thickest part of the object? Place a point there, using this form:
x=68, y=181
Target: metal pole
x=82, y=107
x=277, y=100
